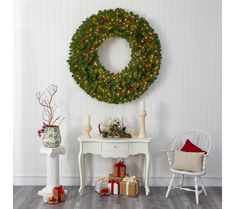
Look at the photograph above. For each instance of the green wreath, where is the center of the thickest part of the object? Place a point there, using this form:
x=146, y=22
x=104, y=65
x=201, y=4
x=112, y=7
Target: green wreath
x=134, y=79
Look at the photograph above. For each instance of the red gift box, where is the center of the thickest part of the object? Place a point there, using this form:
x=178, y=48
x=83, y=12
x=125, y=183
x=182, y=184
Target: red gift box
x=120, y=169
x=57, y=195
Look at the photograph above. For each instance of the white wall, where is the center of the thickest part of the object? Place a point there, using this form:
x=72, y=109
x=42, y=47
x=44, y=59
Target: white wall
x=186, y=95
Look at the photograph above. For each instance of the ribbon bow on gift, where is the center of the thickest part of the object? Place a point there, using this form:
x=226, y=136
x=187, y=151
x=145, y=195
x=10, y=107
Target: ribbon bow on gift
x=120, y=164
x=112, y=181
x=104, y=191
x=130, y=179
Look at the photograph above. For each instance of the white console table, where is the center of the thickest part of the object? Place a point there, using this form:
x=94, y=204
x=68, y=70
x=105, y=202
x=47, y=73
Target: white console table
x=113, y=148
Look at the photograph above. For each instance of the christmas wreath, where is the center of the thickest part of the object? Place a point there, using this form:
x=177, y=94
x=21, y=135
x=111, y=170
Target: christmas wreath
x=135, y=78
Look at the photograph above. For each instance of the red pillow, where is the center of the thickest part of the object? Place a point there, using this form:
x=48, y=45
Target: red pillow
x=190, y=147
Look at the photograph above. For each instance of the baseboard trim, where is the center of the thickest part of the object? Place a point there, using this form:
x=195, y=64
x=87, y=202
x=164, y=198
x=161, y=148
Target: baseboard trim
x=74, y=181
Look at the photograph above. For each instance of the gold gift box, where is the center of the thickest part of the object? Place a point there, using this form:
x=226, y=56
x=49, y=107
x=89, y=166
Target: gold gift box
x=132, y=190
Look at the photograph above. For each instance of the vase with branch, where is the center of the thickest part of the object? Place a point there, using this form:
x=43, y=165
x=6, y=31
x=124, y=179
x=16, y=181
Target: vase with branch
x=50, y=131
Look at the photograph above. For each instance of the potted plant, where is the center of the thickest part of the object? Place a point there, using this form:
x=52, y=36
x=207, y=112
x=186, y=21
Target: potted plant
x=50, y=128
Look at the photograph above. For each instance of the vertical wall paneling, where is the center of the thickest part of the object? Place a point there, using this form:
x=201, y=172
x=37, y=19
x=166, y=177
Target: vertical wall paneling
x=186, y=95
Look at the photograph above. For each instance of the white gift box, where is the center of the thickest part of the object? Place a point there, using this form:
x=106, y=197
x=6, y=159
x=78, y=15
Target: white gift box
x=115, y=188
x=101, y=182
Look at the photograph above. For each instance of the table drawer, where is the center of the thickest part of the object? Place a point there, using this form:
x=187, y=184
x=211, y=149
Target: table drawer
x=115, y=146
x=137, y=148
x=92, y=147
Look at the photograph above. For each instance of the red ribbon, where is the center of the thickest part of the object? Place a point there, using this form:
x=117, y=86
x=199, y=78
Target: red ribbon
x=104, y=191
x=60, y=191
x=112, y=181
x=119, y=165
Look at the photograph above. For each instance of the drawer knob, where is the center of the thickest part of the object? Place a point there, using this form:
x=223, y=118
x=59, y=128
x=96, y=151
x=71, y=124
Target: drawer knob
x=115, y=146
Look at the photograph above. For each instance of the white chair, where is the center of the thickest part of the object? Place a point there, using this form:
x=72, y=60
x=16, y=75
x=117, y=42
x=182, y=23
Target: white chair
x=202, y=140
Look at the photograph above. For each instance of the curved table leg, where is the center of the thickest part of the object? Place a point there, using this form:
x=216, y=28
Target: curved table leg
x=81, y=170
x=147, y=163
x=144, y=170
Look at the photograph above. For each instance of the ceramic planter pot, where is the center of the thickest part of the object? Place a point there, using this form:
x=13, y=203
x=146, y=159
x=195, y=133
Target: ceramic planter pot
x=52, y=137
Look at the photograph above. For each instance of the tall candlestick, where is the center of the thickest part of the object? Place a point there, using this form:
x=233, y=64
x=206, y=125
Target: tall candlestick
x=87, y=127
x=142, y=114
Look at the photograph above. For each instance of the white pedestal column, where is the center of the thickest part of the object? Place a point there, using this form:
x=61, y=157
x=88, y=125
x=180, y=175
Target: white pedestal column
x=52, y=155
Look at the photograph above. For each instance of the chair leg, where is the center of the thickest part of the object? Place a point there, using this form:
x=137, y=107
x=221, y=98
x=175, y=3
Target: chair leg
x=196, y=190
x=203, y=187
x=170, y=185
x=182, y=182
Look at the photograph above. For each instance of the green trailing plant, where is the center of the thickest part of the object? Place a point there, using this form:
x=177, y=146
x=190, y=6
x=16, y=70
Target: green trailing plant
x=135, y=78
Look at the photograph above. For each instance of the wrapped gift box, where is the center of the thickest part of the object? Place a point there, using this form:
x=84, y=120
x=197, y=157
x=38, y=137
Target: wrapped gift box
x=113, y=186
x=120, y=169
x=117, y=179
x=101, y=182
x=57, y=195
x=129, y=186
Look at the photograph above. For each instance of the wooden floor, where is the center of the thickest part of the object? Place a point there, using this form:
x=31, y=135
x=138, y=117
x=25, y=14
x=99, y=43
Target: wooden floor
x=25, y=197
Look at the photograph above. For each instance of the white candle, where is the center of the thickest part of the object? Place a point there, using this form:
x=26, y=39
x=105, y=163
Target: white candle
x=142, y=106
x=87, y=120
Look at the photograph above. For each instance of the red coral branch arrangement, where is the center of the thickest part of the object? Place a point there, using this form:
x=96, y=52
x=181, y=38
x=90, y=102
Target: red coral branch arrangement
x=45, y=99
